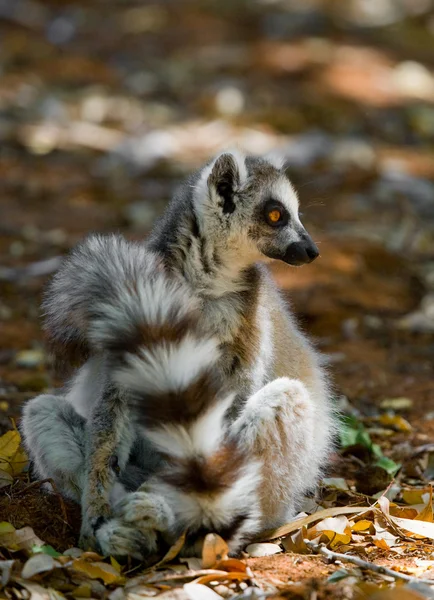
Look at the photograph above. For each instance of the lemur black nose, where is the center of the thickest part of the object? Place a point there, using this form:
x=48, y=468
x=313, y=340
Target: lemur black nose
x=301, y=253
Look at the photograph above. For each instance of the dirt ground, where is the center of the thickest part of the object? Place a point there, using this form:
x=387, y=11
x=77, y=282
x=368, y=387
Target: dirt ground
x=105, y=108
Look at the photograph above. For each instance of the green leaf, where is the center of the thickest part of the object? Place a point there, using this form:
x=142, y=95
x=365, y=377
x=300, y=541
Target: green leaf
x=338, y=576
x=45, y=549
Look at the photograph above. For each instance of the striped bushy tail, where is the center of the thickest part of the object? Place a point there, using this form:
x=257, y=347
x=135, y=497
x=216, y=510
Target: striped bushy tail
x=115, y=297
x=95, y=295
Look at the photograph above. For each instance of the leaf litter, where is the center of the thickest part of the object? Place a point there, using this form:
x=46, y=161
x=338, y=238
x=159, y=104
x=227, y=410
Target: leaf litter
x=365, y=530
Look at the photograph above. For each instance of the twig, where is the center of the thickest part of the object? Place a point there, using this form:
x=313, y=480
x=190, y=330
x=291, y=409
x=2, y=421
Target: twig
x=363, y=564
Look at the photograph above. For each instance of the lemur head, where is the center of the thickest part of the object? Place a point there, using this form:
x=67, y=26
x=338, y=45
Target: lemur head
x=248, y=205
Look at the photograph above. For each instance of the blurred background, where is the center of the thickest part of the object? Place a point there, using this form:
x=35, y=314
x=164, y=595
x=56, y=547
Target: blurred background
x=105, y=106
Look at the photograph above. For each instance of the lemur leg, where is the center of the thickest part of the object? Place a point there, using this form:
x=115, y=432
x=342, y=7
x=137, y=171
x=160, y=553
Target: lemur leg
x=278, y=426
x=109, y=439
x=54, y=435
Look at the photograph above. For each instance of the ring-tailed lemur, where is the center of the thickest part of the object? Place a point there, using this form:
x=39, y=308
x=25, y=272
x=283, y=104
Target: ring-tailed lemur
x=227, y=217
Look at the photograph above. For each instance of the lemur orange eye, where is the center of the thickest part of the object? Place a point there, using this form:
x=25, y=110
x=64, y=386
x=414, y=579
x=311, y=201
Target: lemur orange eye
x=274, y=215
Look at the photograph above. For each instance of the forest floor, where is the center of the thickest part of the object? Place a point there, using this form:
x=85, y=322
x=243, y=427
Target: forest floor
x=99, y=121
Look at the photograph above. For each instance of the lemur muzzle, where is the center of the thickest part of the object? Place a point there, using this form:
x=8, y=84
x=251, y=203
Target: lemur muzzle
x=301, y=253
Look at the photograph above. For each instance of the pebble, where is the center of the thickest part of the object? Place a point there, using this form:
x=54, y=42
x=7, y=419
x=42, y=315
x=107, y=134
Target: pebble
x=396, y=404
x=29, y=359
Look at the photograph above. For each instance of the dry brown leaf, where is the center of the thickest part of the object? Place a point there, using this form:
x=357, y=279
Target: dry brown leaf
x=405, y=512
x=97, y=570
x=411, y=526
x=13, y=459
x=214, y=550
x=221, y=577
x=173, y=551
x=232, y=565
x=295, y=543
x=298, y=523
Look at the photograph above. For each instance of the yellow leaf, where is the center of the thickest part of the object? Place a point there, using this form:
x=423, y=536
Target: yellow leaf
x=83, y=591
x=13, y=459
x=362, y=525
x=406, y=512
x=336, y=529
x=115, y=564
x=214, y=550
x=426, y=514
x=97, y=570
x=396, y=422
x=414, y=496
x=6, y=527
x=299, y=522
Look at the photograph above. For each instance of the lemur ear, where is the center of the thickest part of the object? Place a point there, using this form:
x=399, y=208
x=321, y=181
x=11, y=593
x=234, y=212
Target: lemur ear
x=227, y=175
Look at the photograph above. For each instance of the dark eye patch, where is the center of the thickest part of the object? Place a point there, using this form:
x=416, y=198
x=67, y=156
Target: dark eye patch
x=275, y=214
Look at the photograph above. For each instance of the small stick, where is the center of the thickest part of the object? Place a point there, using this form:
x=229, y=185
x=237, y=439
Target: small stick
x=363, y=564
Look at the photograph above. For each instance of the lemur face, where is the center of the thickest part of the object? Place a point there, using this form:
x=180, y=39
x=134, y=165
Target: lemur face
x=252, y=206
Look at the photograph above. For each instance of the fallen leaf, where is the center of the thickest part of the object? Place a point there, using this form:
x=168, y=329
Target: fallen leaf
x=396, y=404
x=414, y=496
x=20, y=539
x=397, y=422
x=5, y=570
x=96, y=570
x=223, y=576
x=263, y=549
x=13, y=459
x=337, y=530
x=196, y=591
x=46, y=549
x=426, y=514
x=39, y=563
x=304, y=521
x=114, y=563
x=412, y=526
x=5, y=478
x=214, y=550
x=232, y=565
x=362, y=525
x=83, y=591
x=336, y=482
x=173, y=551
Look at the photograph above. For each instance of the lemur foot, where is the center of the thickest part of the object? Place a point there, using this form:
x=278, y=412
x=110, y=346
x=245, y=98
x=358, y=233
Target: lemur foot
x=140, y=518
x=119, y=539
x=147, y=512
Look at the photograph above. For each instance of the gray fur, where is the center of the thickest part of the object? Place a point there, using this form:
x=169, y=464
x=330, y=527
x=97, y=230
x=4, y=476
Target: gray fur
x=208, y=243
